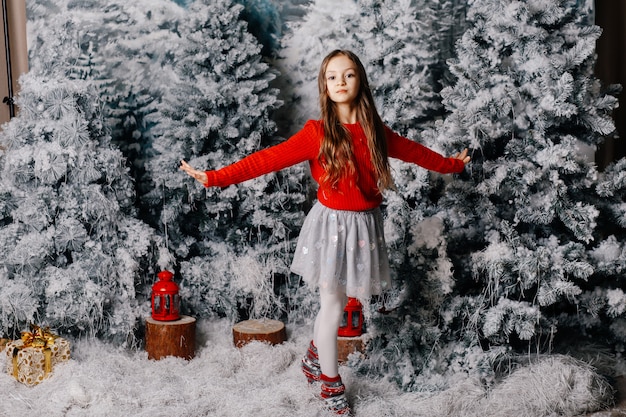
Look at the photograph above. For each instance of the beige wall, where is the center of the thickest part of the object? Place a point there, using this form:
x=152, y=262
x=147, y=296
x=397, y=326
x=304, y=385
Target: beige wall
x=13, y=35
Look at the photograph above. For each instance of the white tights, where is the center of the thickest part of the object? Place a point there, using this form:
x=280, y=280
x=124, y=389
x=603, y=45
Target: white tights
x=325, y=329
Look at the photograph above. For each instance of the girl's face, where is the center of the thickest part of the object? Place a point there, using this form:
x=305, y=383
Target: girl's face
x=342, y=80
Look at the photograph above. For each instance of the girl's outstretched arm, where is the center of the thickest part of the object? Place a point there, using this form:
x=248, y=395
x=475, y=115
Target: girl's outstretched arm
x=200, y=176
x=302, y=146
x=414, y=152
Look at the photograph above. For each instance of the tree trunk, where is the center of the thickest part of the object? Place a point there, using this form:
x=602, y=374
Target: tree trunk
x=171, y=338
x=263, y=330
x=349, y=345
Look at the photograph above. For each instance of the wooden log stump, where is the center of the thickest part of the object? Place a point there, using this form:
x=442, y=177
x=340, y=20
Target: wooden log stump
x=349, y=345
x=171, y=338
x=262, y=330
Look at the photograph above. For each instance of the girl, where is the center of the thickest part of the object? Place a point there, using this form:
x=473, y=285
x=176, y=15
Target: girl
x=341, y=248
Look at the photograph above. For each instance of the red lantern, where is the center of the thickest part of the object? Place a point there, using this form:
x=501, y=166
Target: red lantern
x=165, y=298
x=352, y=324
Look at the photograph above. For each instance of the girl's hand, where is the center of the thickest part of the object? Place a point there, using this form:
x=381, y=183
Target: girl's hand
x=200, y=176
x=463, y=156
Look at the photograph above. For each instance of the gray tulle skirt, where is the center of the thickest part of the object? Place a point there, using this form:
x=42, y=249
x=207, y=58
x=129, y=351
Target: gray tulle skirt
x=345, y=251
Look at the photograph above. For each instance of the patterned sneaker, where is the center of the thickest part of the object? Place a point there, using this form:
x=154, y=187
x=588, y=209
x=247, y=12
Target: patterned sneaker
x=311, y=364
x=333, y=394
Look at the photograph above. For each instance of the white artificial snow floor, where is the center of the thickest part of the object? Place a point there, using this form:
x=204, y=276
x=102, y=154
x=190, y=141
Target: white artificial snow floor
x=259, y=380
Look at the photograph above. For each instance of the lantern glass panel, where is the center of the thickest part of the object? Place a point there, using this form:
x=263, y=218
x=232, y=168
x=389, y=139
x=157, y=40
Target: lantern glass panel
x=344, y=319
x=157, y=305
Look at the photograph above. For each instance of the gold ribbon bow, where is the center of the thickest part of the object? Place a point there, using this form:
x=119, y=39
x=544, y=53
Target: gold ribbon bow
x=38, y=337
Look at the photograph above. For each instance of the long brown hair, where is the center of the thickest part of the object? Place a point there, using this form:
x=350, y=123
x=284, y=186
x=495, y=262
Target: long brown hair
x=336, y=151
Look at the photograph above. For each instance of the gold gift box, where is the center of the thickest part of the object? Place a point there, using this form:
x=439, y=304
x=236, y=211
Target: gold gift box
x=31, y=359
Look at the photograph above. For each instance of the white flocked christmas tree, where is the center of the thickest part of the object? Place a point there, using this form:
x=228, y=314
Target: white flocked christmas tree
x=521, y=226
x=75, y=255
x=233, y=245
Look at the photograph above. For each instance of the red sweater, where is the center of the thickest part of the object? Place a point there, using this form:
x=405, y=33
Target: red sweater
x=355, y=193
